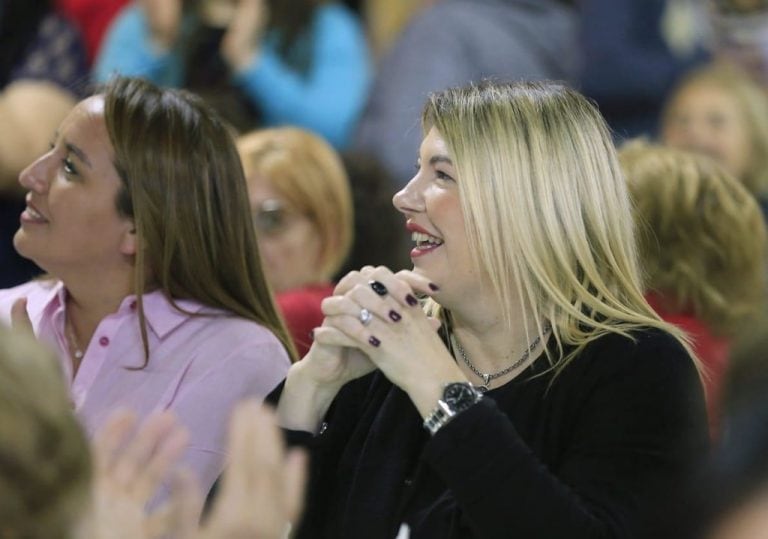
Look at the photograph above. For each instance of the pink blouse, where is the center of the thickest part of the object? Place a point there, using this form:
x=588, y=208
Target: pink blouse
x=199, y=366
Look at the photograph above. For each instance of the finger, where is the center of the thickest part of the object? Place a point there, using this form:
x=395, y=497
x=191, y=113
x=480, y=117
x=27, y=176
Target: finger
x=435, y=323
x=295, y=480
x=330, y=336
x=418, y=282
x=165, y=456
x=363, y=337
x=137, y=454
x=20, y=318
x=181, y=514
x=235, y=480
x=387, y=308
x=110, y=438
x=400, y=289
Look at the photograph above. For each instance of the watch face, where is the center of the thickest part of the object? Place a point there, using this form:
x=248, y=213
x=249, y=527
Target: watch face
x=460, y=395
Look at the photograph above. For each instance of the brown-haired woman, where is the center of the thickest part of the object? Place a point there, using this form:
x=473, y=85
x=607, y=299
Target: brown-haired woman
x=702, y=242
x=139, y=213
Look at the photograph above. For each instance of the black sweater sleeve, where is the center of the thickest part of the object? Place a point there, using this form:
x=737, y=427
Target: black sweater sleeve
x=638, y=423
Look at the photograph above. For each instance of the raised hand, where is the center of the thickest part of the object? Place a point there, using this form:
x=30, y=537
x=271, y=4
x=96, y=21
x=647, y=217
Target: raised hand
x=129, y=466
x=377, y=312
x=20, y=317
x=164, y=20
x=262, y=490
x=241, y=41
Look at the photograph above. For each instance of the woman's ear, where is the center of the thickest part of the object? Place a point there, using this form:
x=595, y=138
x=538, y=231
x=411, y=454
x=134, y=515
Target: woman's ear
x=129, y=242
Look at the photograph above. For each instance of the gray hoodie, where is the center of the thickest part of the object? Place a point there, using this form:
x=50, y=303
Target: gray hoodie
x=453, y=43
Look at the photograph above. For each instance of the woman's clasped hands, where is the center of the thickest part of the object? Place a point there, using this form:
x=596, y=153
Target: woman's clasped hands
x=376, y=312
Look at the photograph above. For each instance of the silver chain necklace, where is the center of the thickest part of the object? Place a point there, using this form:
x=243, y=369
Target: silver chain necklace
x=488, y=377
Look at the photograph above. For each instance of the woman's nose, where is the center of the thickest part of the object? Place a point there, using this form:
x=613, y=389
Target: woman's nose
x=410, y=198
x=35, y=176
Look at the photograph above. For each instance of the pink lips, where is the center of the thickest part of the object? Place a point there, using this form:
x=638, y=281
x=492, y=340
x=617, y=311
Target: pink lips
x=31, y=214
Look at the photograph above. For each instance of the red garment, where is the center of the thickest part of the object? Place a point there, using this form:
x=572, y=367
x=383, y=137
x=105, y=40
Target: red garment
x=712, y=350
x=302, y=314
x=92, y=17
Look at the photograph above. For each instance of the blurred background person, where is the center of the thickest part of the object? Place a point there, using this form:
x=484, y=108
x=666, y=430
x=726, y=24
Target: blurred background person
x=741, y=35
x=43, y=70
x=729, y=498
x=719, y=111
x=303, y=216
x=631, y=61
x=92, y=18
x=45, y=469
x=155, y=297
x=454, y=42
x=259, y=62
x=702, y=242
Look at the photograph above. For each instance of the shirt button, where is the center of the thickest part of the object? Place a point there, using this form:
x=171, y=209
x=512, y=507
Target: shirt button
x=104, y=341
x=133, y=305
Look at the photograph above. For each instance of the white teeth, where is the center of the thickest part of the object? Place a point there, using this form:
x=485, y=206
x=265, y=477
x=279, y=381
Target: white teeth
x=425, y=240
x=33, y=213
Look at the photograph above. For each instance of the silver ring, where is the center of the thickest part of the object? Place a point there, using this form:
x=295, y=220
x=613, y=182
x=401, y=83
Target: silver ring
x=365, y=317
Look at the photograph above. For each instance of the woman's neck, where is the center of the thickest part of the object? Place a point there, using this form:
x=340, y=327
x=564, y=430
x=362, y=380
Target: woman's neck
x=89, y=302
x=491, y=345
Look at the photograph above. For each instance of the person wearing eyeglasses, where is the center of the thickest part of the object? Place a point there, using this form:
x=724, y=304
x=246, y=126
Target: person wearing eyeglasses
x=303, y=216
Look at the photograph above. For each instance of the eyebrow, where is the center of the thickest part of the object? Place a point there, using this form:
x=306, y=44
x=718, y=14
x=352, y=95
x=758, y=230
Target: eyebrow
x=75, y=150
x=440, y=159
x=79, y=153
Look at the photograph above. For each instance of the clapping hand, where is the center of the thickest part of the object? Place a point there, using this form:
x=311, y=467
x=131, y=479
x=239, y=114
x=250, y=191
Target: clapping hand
x=244, y=34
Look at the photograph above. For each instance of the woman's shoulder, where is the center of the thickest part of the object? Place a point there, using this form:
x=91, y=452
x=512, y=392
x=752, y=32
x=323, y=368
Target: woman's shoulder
x=644, y=353
x=36, y=291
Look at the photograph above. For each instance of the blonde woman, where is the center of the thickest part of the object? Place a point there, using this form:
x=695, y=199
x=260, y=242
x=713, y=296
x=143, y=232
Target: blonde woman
x=703, y=246
x=302, y=211
x=720, y=111
x=156, y=298
x=553, y=401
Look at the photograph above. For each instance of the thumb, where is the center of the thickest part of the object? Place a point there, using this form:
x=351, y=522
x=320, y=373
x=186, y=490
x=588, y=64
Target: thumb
x=20, y=318
x=434, y=322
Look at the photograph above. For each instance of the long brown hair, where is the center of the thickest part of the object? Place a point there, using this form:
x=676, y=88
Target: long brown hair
x=184, y=188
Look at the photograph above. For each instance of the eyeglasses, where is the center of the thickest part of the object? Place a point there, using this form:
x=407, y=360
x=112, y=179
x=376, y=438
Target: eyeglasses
x=270, y=217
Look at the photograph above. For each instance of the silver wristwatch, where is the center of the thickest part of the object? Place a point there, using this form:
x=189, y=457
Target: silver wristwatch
x=457, y=397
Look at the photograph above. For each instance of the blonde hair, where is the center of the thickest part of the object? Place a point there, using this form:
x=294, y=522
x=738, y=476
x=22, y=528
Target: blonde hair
x=310, y=175
x=548, y=213
x=753, y=105
x=184, y=188
x=45, y=463
x=702, y=235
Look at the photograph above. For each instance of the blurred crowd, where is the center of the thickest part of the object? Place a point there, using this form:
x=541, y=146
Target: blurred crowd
x=323, y=100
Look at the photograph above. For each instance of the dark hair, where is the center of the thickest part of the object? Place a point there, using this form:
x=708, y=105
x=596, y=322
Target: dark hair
x=185, y=190
x=380, y=235
x=19, y=22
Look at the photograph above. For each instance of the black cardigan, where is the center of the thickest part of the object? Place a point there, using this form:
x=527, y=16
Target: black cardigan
x=589, y=454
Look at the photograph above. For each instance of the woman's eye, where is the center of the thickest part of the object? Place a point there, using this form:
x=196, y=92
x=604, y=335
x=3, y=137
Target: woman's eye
x=442, y=175
x=69, y=167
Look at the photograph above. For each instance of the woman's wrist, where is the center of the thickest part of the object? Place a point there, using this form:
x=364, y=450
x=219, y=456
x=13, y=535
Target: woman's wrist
x=425, y=391
x=304, y=401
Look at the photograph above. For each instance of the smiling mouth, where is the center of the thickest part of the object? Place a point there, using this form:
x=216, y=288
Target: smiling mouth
x=30, y=214
x=425, y=242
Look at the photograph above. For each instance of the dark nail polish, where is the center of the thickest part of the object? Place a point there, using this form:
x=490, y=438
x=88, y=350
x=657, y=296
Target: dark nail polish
x=379, y=288
x=395, y=316
x=411, y=300
x=433, y=287
x=374, y=341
